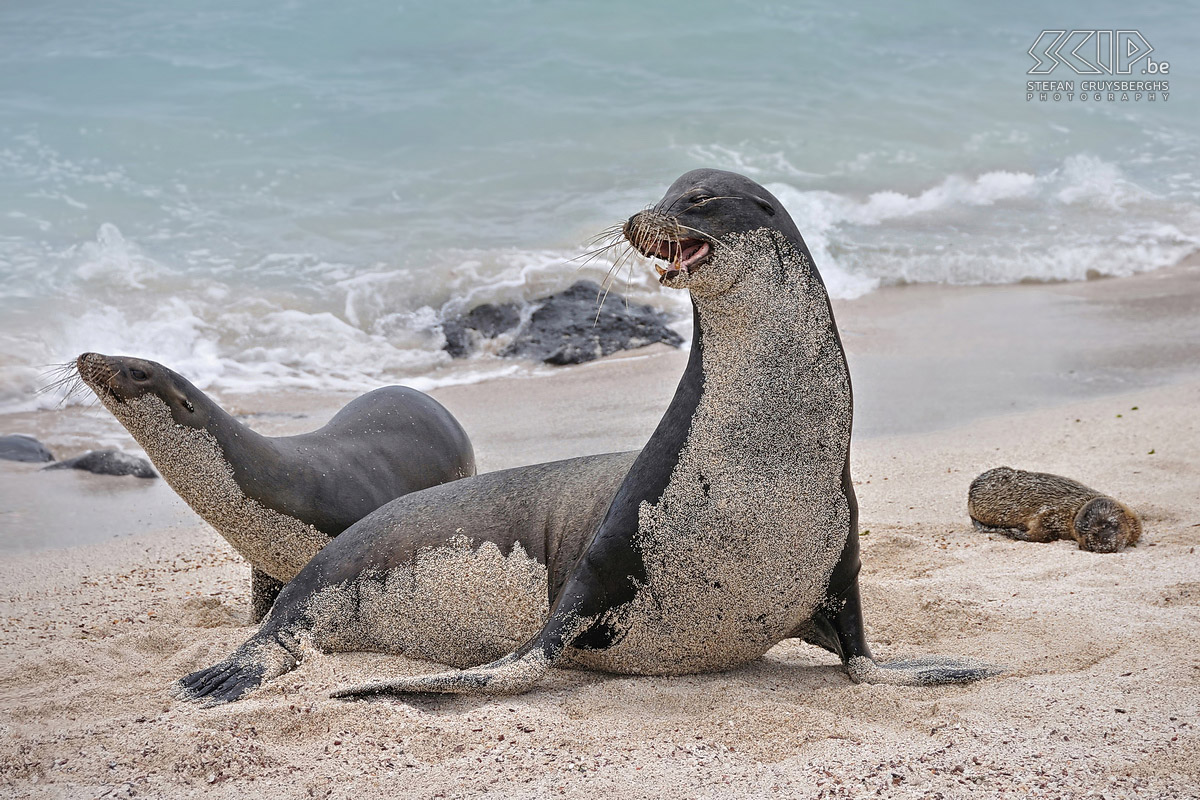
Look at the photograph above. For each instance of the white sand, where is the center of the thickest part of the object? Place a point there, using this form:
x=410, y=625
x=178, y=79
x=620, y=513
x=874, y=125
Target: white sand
x=1102, y=696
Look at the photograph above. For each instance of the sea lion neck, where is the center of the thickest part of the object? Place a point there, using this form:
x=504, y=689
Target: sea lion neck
x=651, y=471
x=774, y=320
x=247, y=451
x=175, y=438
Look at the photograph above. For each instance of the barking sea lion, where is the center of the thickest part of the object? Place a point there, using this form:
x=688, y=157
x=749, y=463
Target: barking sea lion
x=733, y=529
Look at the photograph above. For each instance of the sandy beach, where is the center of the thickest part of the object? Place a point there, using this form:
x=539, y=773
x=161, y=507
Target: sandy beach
x=113, y=588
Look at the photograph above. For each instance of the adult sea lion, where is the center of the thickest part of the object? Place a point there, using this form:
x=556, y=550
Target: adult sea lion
x=279, y=500
x=1040, y=507
x=733, y=529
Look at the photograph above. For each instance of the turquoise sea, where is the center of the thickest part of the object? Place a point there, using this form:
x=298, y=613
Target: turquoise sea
x=295, y=193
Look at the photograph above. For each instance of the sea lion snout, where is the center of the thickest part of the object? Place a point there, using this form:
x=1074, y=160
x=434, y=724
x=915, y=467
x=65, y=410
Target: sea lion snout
x=658, y=234
x=97, y=372
x=120, y=378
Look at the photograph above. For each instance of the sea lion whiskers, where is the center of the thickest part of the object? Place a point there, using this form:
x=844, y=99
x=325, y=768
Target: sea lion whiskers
x=58, y=376
x=64, y=378
x=624, y=258
x=613, y=233
x=609, y=243
x=610, y=235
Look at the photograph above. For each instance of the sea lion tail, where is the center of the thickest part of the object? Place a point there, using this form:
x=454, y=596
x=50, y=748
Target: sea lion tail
x=924, y=671
x=256, y=661
x=513, y=674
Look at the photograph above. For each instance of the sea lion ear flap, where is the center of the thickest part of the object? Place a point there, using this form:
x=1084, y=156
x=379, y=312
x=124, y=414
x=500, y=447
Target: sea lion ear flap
x=181, y=398
x=765, y=205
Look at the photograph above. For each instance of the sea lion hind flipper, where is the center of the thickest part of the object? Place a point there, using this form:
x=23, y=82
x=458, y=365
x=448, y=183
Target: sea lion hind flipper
x=924, y=671
x=839, y=629
x=512, y=674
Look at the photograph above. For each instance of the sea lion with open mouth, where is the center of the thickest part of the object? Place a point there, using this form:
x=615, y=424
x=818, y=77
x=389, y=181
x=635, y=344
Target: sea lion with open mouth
x=733, y=529
x=279, y=500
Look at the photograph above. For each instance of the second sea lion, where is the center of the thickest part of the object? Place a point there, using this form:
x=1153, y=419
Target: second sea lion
x=279, y=500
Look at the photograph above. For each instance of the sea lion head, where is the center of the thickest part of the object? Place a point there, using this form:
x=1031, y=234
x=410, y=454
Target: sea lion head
x=1103, y=525
x=120, y=380
x=697, y=225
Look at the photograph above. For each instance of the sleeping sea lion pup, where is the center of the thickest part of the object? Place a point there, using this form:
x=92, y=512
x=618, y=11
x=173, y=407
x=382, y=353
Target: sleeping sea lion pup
x=1040, y=507
x=279, y=500
x=733, y=529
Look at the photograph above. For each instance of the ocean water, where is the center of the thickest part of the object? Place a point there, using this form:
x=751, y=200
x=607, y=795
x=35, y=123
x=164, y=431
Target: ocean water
x=294, y=194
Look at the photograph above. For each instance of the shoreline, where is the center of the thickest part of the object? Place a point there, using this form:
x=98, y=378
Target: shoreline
x=1033, y=344
x=922, y=358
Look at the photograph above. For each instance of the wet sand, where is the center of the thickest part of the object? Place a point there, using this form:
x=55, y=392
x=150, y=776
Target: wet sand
x=1101, y=697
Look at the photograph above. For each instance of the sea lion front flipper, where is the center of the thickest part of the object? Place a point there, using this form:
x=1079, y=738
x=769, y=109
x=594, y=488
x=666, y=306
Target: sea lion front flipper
x=840, y=630
x=1020, y=534
x=268, y=654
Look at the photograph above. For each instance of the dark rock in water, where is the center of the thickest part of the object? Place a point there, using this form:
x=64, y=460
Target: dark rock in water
x=488, y=321
x=108, y=462
x=565, y=328
x=20, y=447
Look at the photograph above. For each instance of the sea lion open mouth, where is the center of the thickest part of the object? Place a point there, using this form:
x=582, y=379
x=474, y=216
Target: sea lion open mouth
x=686, y=255
x=657, y=236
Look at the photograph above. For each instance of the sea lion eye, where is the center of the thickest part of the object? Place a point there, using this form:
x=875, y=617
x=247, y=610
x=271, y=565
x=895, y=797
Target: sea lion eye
x=137, y=374
x=700, y=198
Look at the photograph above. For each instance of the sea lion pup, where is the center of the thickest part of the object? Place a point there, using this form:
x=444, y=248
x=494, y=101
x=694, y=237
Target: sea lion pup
x=1040, y=507
x=279, y=500
x=733, y=529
